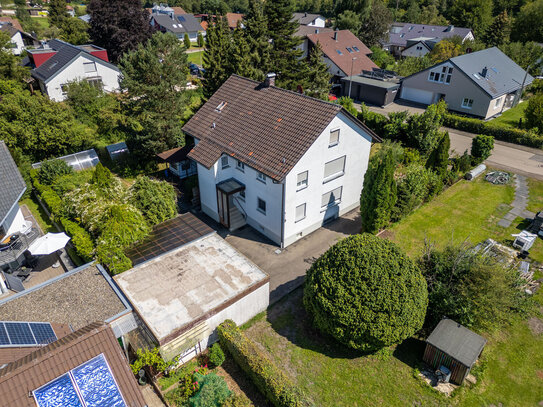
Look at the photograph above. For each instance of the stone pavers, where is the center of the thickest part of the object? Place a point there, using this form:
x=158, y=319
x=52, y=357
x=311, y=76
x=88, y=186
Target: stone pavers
x=519, y=203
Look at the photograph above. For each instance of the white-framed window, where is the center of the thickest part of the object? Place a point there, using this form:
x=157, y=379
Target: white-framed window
x=240, y=166
x=334, y=169
x=498, y=103
x=89, y=67
x=334, y=138
x=301, y=181
x=300, y=212
x=242, y=195
x=467, y=103
x=261, y=177
x=225, y=163
x=96, y=82
x=443, y=76
x=261, y=206
x=331, y=198
x=419, y=48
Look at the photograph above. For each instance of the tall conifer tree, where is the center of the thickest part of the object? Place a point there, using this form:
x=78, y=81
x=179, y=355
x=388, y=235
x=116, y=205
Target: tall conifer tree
x=216, y=56
x=256, y=28
x=57, y=12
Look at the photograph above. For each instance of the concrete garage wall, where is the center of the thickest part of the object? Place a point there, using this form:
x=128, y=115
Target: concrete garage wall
x=239, y=312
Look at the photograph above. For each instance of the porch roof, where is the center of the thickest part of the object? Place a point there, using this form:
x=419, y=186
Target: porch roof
x=175, y=155
x=230, y=186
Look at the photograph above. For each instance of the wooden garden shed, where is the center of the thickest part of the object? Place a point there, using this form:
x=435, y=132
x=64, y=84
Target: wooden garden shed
x=455, y=347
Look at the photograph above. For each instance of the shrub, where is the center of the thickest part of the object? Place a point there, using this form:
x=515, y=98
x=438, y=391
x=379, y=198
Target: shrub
x=184, y=391
x=51, y=170
x=67, y=183
x=81, y=239
x=438, y=160
x=213, y=391
x=499, y=132
x=366, y=293
x=237, y=400
x=123, y=225
x=422, y=130
x=415, y=186
x=462, y=164
x=186, y=41
x=267, y=377
x=51, y=200
x=156, y=200
x=102, y=177
x=200, y=40
x=216, y=355
x=152, y=359
x=112, y=256
x=477, y=291
x=481, y=147
x=534, y=112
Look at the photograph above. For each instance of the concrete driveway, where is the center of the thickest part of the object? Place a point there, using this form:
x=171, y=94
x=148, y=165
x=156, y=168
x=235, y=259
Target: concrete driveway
x=522, y=160
x=287, y=267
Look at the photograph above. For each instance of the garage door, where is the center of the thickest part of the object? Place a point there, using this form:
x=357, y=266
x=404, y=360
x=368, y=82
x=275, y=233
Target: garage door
x=417, y=95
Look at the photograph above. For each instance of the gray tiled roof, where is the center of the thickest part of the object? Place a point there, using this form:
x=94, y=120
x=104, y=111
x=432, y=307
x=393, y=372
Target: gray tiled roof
x=65, y=53
x=457, y=341
x=305, y=18
x=401, y=32
x=503, y=75
x=181, y=23
x=268, y=129
x=12, y=184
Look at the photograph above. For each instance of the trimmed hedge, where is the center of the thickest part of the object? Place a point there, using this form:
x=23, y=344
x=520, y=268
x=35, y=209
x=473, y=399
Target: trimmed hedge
x=267, y=377
x=81, y=239
x=511, y=135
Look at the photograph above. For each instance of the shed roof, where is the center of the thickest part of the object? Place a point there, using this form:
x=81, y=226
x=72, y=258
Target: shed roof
x=77, y=298
x=175, y=289
x=267, y=128
x=22, y=377
x=457, y=341
x=12, y=185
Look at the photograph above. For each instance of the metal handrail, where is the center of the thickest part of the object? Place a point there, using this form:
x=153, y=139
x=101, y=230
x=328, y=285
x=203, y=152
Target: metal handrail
x=18, y=247
x=243, y=213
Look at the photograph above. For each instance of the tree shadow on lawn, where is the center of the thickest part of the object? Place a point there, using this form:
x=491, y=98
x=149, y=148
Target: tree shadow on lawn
x=289, y=319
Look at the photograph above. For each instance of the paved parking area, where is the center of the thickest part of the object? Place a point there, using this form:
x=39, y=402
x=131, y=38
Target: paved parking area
x=287, y=267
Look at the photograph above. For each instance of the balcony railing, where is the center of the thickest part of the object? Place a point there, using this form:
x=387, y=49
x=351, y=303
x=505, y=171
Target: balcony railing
x=14, y=251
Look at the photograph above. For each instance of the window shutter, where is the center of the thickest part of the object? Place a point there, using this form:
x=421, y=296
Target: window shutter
x=300, y=212
x=331, y=197
x=334, y=167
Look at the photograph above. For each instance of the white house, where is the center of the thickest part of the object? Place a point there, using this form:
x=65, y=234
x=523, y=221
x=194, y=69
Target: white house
x=418, y=47
x=282, y=162
x=12, y=188
x=58, y=63
x=310, y=20
x=19, y=39
x=177, y=24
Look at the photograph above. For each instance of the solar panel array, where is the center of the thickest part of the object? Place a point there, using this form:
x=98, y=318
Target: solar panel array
x=26, y=333
x=168, y=236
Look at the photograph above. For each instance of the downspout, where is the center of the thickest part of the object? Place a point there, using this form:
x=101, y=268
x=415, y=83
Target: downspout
x=283, y=215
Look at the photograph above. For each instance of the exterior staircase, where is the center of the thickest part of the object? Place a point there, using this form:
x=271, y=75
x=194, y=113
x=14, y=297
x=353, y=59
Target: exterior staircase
x=238, y=218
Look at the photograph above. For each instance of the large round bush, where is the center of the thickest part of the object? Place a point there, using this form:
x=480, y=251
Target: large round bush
x=365, y=292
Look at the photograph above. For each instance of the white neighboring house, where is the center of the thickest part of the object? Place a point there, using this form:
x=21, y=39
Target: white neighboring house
x=12, y=188
x=310, y=20
x=19, y=40
x=418, y=47
x=58, y=63
x=282, y=162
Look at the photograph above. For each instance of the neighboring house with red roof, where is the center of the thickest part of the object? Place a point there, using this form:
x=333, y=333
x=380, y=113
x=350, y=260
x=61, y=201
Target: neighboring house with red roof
x=343, y=52
x=280, y=161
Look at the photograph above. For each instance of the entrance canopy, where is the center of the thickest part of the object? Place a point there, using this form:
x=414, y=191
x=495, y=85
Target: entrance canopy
x=230, y=186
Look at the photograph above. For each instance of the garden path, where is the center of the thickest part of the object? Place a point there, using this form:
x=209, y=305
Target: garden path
x=519, y=203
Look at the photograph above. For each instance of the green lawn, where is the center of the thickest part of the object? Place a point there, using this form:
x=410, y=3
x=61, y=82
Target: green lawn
x=510, y=371
x=39, y=214
x=535, y=201
x=42, y=21
x=511, y=117
x=195, y=57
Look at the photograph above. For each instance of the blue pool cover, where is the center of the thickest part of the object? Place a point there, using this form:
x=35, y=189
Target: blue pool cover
x=89, y=385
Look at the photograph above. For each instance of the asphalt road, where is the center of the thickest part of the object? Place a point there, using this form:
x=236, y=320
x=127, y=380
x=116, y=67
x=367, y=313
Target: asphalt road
x=505, y=156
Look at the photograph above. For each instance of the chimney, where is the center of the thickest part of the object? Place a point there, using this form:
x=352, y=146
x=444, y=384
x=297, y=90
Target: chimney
x=270, y=80
x=484, y=72
x=335, y=35
x=305, y=14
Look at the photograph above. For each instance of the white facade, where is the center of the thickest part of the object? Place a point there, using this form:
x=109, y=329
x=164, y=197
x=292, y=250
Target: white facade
x=84, y=67
x=416, y=50
x=318, y=22
x=18, y=44
x=15, y=221
x=282, y=221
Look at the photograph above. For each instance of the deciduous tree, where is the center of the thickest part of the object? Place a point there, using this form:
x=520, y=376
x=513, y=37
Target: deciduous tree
x=118, y=25
x=57, y=12
x=534, y=112
x=527, y=26
x=10, y=64
x=474, y=14
x=375, y=27
x=74, y=31
x=444, y=50
x=366, y=293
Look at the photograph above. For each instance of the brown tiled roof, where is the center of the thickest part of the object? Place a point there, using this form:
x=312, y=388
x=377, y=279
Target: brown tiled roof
x=178, y=10
x=345, y=39
x=175, y=155
x=204, y=25
x=14, y=22
x=233, y=19
x=268, y=129
x=20, y=378
x=305, y=30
